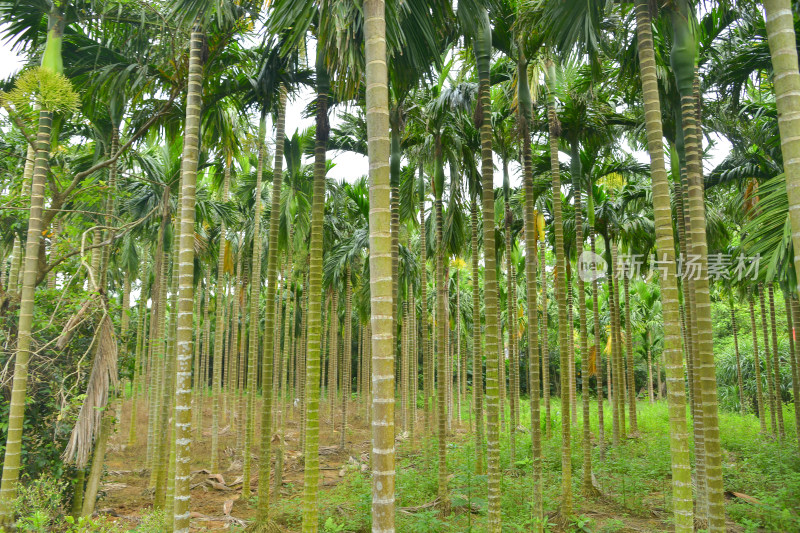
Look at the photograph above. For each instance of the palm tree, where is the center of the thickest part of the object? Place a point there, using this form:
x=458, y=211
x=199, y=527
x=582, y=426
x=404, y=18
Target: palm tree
x=679, y=446
x=482, y=45
x=51, y=70
x=560, y=292
x=683, y=61
x=524, y=115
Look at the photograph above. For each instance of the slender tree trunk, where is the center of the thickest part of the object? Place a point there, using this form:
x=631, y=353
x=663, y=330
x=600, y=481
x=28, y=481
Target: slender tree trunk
x=629, y=352
x=739, y=383
x=16, y=412
x=683, y=62
x=96, y=470
x=253, y=347
x=442, y=372
x=380, y=265
x=477, y=353
x=598, y=343
x=334, y=377
x=573, y=410
x=16, y=250
x=511, y=309
x=347, y=354
x=404, y=356
x=782, y=46
x=483, y=52
x=545, y=346
x=458, y=343
x=770, y=382
x=795, y=327
x=270, y=340
x=423, y=283
x=138, y=363
x=531, y=235
x=561, y=299
x=776, y=372
x=183, y=411
x=219, y=330
x=679, y=439
x=155, y=340
x=160, y=415
x=314, y=310
x=587, y=487
x=757, y=363
x=615, y=359
x=649, y=367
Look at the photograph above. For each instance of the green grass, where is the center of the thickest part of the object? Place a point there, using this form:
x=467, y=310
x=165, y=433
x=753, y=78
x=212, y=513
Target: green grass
x=635, y=480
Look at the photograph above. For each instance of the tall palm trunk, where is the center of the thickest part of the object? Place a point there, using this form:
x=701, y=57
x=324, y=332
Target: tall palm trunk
x=219, y=334
x=347, y=355
x=423, y=284
x=483, y=53
x=679, y=438
x=776, y=372
x=16, y=249
x=183, y=397
x=163, y=456
x=459, y=358
x=782, y=46
x=757, y=363
x=253, y=338
x=767, y=356
x=314, y=309
x=739, y=383
x=333, y=378
x=442, y=372
x=649, y=366
x=531, y=235
x=380, y=265
x=795, y=327
x=156, y=341
x=626, y=282
x=573, y=405
x=413, y=362
x=787, y=303
x=511, y=310
x=682, y=58
x=617, y=366
x=394, y=173
x=51, y=62
x=477, y=354
x=561, y=297
x=270, y=332
x=138, y=363
x=601, y=431
x=16, y=412
x=545, y=345
x=575, y=163
x=404, y=366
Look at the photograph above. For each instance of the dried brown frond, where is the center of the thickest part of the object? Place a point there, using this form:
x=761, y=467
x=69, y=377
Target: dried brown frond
x=102, y=378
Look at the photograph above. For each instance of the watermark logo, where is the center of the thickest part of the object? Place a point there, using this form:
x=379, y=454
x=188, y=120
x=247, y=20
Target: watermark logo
x=591, y=266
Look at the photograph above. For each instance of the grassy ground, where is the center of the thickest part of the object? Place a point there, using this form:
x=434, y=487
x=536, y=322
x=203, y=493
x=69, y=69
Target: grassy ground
x=762, y=479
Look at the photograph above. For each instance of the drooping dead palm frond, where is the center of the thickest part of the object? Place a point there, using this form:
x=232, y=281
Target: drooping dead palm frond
x=102, y=378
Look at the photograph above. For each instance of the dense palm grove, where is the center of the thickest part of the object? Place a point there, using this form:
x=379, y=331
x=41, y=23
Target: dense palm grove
x=186, y=296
